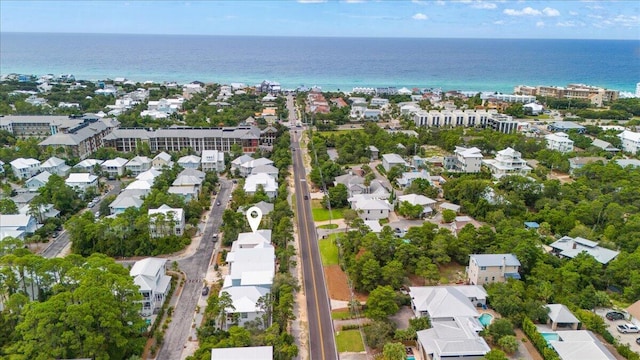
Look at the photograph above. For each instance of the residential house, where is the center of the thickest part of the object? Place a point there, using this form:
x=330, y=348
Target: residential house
x=604, y=145
x=566, y=126
x=126, y=199
x=489, y=268
x=561, y=318
x=162, y=160
x=559, y=142
x=25, y=168
x=188, y=181
x=266, y=169
x=246, y=307
x=374, y=152
x=449, y=206
x=189, y=162
x=166, y=221
x=149, y=175
x=569, y=247
x=17, y=225
x=507, y=162
x=391, y=160
x=354, y=183
x=630, y=141
x=576, y=163
x=88, y=165
x=235, y=163
x=533, y=108
x=265, y=207
x=268, y=183
x=250, y=240
x=634, y=163
x=114, y=168
x=421, y=200
x=1, y=167
x=457, y=338
x=38, y=181
x=193, y=172
x=23, y=198
x=371, y=114
x=56, y=166
x=466, y=160
x=407, y=178
x=188, y=193
x=380, y=102
x=247, y=167
x=444, y=303
x=212, y=160
x=150, y=276
x=370, y=208
x=580, y=344
x=42, y=213
x=242, y=353
x=138, y=165
x=82, y=181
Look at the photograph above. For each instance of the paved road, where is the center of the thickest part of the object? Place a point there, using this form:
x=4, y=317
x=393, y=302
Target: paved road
x=321, y=338
x=58, y=244
x=195, y=267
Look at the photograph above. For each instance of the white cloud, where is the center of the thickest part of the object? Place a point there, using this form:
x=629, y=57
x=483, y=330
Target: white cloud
x=484, y=5
x=420, y=16
x=354, y=1
x=528, y=11
x=573, y=13
x=569, y=23
x=540, y=24
x=498, y=22
x=551, y=11
x=627, y=20
x=311, y=1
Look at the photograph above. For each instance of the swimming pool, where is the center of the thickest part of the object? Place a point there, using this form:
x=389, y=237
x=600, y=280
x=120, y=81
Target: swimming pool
x=411, y=357
x=550, y=337
x=485, y=319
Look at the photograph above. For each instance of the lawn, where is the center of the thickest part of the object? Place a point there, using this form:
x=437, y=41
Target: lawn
x=340, y=314
x=349, y=341
x=322, y=214
x=328, y=251
x=328, y=226
x=337, y=132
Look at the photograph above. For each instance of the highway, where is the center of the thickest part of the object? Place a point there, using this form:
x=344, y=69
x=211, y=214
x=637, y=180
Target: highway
x=321, y=338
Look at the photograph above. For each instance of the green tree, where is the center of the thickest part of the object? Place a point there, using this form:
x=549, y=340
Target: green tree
x=381, y=303
x=500, y=328
x=337, y=196
x=509, y=344
x=495, y=354
x=448, y=215
x=393, y=351
x=7, y=206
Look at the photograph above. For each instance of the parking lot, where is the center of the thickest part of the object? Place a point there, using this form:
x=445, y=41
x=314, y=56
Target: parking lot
x=624, y=338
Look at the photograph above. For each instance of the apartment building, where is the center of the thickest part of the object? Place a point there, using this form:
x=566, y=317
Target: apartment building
x=596, y=95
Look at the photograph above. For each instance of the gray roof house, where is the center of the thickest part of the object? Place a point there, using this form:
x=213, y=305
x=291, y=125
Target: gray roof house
x=455, y=338
x=606, y=146
x=441, y=303
x=570, y=247
x=56, y=166
x=561, y=317
x=580, y=344
x=243, y=353
x=38, y=181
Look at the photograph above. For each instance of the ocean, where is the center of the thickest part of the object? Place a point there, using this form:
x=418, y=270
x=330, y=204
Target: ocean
x=332, y=63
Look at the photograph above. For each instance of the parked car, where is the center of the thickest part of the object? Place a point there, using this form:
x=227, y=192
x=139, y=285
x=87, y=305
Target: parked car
x=615, y=315
x=638, y=341
x=205, y=291
x=628, y=328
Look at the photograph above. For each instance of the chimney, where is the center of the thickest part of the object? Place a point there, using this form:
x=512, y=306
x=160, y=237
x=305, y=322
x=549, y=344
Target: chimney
x=504, y=265
x=574, y=245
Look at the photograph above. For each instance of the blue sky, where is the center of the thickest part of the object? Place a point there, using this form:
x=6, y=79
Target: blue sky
x=360, y=18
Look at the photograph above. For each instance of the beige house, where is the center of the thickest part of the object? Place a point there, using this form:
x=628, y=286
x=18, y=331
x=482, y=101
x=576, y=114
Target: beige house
x=489, y=268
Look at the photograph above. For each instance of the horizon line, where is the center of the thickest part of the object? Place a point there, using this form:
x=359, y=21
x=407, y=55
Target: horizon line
x=312, y=36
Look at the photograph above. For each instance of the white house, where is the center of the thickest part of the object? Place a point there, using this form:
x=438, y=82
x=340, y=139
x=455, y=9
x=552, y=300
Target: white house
x=165, y=221
x=114, y=167
x=248, y=166
x=149, y=275
x=188, y=181
x=455, y=338
x=242, y=353
x=407, y=177
x=138, y=165
x=81, y=181
x=580, y=344
x=559, y=141
x=507, y=162
x=268, y=183
x=533, y=108
x=266, y=169
x=127, y=199
x=421, y=200
x=56, y=166
x=391, y=160
x=235, y=163
x=162, y=160
x=25, y=168
x=212, y=160
x=88, y=165
x=245, y=304
x=38, y=181
x=149, y=175
x=379, y=102
x=189, y=162
x=630, y=141
x=444, y=303
x=369, y=208
x=466, y=160
x=489, y=268
x=17, y=225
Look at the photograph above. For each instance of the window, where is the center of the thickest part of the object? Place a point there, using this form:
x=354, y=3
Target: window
x=486, y=279
x=493, y=278
x=483, y=268
x=244, y=315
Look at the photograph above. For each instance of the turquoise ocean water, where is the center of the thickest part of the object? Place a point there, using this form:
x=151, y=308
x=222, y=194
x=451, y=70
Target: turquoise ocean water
x=332, y=63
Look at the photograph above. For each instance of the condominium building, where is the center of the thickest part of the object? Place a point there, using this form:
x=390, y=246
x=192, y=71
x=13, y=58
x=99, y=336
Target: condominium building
x=594, y=94
x=176, y=139
x=469, y=118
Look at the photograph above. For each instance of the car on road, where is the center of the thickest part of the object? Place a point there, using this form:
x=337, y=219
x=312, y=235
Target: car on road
x=214, y=237
x=205, y=291
x=615, y=315
x=306, y=197
x=218, y=203
x=628, y=328
x=638, y=341
x=55, y=234
x=97, y=214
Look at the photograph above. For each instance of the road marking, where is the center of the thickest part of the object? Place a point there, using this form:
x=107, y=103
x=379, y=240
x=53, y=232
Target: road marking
x=313, y=276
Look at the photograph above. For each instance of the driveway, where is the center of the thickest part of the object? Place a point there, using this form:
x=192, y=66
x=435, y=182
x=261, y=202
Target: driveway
x=623, y=338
